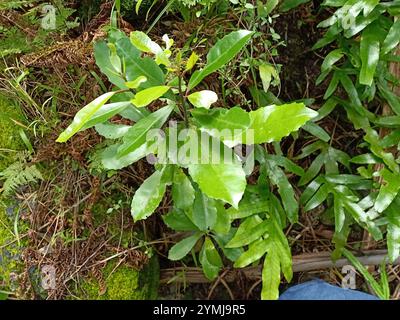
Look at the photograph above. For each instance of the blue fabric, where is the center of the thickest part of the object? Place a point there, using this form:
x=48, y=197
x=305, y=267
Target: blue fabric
x=320, y=290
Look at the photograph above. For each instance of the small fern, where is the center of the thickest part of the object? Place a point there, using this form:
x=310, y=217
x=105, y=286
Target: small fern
x=18, y=174
x=16, y=4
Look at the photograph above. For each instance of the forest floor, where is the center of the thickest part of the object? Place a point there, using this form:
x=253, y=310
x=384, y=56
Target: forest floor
x=80, y=223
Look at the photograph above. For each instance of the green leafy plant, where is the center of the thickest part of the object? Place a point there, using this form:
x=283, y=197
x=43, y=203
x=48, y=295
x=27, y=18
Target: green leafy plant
x=207, y=196
x=364, y=35
x=380, y=288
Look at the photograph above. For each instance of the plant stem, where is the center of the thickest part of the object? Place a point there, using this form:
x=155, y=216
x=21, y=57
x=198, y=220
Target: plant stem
x=183, y=101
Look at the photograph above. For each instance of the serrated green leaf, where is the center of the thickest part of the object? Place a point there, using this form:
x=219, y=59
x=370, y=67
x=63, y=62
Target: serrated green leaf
x=225, y=181
x=267, y=122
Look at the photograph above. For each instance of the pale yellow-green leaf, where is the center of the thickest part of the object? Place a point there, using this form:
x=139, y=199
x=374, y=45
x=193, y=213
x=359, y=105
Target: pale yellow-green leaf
x=83, y=116
x=192, y=61
x=203, y=99
x=145, y=97
x=142, y=41
x=136, y=83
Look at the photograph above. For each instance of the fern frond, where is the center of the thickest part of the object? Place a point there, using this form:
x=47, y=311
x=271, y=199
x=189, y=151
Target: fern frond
x=18, y=174
x=16, y=4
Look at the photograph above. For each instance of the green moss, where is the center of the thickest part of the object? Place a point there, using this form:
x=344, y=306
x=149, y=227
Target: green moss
x=124, y=283
x=10, y=249
x=10, y=140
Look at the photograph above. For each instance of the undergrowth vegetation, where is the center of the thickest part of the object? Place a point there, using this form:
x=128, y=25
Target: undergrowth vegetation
x=207, y=149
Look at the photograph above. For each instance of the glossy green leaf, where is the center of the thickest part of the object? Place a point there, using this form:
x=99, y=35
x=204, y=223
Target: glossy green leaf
x=223, y=223
x=393, y=241
x=111, y=161
x=392, y=39
x=219, y=55
x=183, y=247
x=142, y=42
x=251, y=234
x=221, y=119
x=102, y=55
x=136, y=83
x=267, y=72
x=137, y=66
x=225, y=181
x=313, y=170
x=136, y=136
x=249, y=206
x=330, y=59
x=369, y=52
x=105, y=113
x=210, y=259
x=255, y=252
x=145, y=97
x=192, y=61
x=178, y=220
x=278, y=259
x=388, y=191
x=148, y=197
x=112, y=130
x=271, y=277
x=318, y=198
x=267, y=122
x=317, y=131
x=285, y=190
x=83, y=116
x=204, y=211
x=183, y=192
